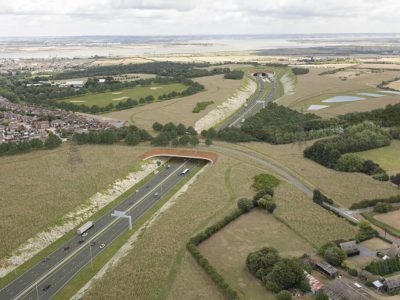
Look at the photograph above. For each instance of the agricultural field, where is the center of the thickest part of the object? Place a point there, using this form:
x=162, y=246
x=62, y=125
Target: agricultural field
x=38, y=188
x=343, y=188
x=103, y=99
x=177, y=275
x=391, y=218
x=309, y=220
x=227, y=249
x=179, y=110
x=387, y=157
x=394, y=85
x=312, y=89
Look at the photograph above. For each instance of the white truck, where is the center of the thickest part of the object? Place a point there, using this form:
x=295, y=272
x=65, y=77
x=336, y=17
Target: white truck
x=85, y=227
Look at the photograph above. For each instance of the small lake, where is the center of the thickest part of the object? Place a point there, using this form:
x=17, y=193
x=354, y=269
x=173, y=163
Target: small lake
x=317, y=107
x=337, y=99
x=371, y=95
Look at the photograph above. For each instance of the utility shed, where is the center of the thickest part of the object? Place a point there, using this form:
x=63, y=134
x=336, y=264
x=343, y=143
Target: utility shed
x=392, y=283
x=327, y=269
x=350, y=248
x=393, y=251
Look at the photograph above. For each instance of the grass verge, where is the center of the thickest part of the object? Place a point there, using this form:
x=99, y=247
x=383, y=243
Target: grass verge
x=58, y=243
x=99, y=261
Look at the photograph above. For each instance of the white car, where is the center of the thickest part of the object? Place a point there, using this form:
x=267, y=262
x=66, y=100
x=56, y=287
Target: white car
x=102, y=246
x=85, y=234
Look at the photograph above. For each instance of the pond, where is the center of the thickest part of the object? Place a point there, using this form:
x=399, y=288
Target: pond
x=391, y=92
x=371, y=95
x=337, y=99
x=317, y=107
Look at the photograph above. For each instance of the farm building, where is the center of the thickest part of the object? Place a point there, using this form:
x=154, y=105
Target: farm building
x=393, y=251
x=327, y=269
x=392, y=283
x=364, y=274
x=350, y=248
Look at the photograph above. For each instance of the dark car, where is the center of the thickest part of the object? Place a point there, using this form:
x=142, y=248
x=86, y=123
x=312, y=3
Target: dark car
x=45, y=260
x=81, y=241
x=46, y=287
x=66, y=248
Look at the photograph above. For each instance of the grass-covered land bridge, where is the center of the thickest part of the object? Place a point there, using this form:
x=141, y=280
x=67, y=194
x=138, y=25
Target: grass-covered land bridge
x=185, y=153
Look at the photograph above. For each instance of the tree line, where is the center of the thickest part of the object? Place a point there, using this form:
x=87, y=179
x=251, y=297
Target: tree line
x=331, y=152
x=49, y=95
x=175, y=135
x=131, y=135
x=11, y=148
x=170, y=69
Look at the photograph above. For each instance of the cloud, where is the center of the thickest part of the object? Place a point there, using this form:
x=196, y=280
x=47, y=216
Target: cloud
x=162, y=17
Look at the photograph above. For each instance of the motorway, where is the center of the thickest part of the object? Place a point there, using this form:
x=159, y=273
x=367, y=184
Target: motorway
x=48, y=277
x=254, y=105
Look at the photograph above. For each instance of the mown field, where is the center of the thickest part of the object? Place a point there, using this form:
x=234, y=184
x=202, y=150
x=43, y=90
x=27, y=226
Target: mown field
x=38, y=188
x=227, y=250
x=391, y=218
x=103, y=99
x=387, y=157
x=312, y=88
x=343, y=188
x=179, y=110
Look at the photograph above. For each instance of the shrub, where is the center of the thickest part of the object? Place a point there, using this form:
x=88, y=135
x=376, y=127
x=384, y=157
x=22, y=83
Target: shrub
x=261, y=262
x=365, y=231
x=381, y=176
x=335, y=256
x=245, y=204
x=373, y=202
x=286, y=274
x=284, y=295
x=208, y=141
x=52, y=141
x=319, y=198
x=350, y=162
x=353, y=272
x=157, y=126
x=265, y=181
x=382, y=207
x=395, y=179
x=235, y=74
x=300, y=71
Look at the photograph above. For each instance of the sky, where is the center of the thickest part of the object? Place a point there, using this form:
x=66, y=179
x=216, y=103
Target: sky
x=191, y=17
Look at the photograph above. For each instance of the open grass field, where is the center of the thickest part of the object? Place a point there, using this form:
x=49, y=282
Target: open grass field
x=309, y=220
x=207, y=200
x=38, y=188
x=313, y=88
x=387, y=157
x=391, y=218
x=179, y=110
x=227, y=249
x=103, y=99
x=343, y=188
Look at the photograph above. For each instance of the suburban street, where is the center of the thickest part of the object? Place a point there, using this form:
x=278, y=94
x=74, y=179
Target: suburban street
x=254, y=105
x=46, y=278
